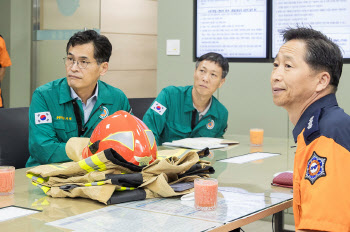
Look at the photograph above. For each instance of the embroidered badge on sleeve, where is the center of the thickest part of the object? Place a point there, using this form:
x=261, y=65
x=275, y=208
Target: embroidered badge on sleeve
x=159, y=108
x=43, y=117
x=315, y=168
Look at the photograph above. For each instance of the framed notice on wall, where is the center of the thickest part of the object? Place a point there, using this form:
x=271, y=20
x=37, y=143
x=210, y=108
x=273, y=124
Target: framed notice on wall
x=236, y=29
x=331, y=17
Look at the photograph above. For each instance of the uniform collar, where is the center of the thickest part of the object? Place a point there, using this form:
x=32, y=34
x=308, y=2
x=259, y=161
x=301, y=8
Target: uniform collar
x=326, y=101
x=212, y=111
x=201, y=114
x=74, y=95
x=189, y=103
x=188, y=100
x=64, y=94
x=104, y=96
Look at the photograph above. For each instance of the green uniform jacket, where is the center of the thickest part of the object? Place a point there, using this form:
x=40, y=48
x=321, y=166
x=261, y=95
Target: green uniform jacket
x=175, y=122
x=47, y=141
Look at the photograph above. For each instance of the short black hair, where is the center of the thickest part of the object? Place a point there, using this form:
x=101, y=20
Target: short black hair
x=217, y=59
x=102, y=46
x=322, y=53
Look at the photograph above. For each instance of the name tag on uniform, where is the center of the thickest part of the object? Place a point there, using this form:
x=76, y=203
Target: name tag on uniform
x=43, y=117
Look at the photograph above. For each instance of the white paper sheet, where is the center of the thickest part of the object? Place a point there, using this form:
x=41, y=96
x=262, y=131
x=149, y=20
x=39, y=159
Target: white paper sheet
x=248, y=157
x=170, y=214
x=233, y=203
x=12, y=212
x=115, y=218
x=200, y=143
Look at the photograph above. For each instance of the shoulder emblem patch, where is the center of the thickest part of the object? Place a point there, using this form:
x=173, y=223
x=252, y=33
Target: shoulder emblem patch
x=43, y=117
x=210, y=124
x=315, y=168
x=104, y=113
x=159, y=108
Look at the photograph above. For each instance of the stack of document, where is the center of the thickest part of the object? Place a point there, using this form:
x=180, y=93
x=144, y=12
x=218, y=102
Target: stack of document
x=200, y=143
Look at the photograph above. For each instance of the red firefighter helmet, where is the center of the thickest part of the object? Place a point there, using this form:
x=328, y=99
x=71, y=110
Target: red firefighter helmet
x=127, y=135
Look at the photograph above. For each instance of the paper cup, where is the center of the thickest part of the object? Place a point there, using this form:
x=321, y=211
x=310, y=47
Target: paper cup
x=205, y=193
x=7, y=180
x=256, y=137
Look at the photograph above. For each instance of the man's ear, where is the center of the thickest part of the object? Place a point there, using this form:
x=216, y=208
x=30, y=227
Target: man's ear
x=323, y=81
x=222, y=81
x=103, y=68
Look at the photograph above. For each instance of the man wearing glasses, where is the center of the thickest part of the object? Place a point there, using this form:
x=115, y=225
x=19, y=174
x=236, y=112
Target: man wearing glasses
x=74, y=105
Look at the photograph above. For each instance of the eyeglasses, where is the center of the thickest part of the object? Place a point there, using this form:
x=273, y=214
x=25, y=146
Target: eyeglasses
x=69, y=62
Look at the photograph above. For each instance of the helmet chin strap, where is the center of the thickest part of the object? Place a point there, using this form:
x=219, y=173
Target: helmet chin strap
x=94, y=147
x=143, y=160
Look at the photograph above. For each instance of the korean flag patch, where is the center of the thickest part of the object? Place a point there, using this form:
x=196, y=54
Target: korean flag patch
x=159, y=108
x=43, y=117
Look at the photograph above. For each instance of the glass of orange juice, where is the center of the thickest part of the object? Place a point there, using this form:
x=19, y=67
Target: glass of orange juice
x=256, y=136
x=205, y=193
x=7, y=180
